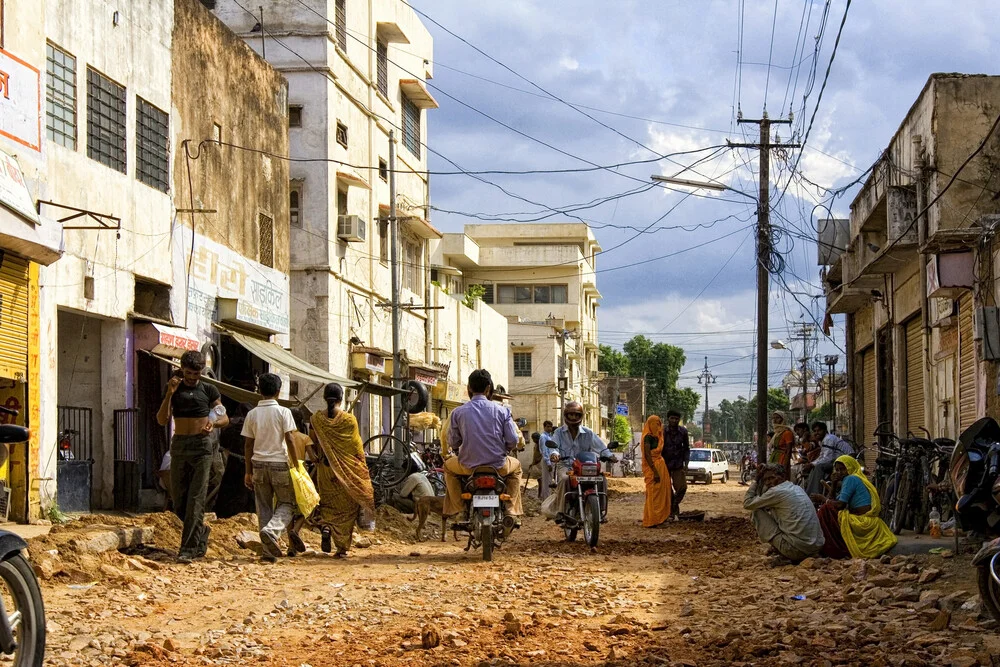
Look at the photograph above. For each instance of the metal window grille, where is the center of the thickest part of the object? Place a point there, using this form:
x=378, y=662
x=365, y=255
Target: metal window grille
x=76, y=425
x=128, y=459
x=294, y=212
x=488, y=293
x=152, y=146
x=266, y=230
x=341, y=24
x=382, y=60
x=60, y=97
x=105, y=120
x=522, y=364
x=342, y=134
x=411, y=127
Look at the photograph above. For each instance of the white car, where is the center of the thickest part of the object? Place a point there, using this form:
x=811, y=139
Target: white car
x=707, y=465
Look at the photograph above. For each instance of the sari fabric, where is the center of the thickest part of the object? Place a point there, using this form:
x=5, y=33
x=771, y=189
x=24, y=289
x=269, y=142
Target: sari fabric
x=865, y=535
x=657, y=507
x=341, y=477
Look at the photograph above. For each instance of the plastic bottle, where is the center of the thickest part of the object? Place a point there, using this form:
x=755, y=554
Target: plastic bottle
x=216, y=414
x=934, y=525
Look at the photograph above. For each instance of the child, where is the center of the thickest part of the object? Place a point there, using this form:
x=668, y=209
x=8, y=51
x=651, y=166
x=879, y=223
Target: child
x=269, y=448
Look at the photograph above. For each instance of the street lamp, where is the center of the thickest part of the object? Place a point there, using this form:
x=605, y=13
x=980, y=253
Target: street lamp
x=782, y=345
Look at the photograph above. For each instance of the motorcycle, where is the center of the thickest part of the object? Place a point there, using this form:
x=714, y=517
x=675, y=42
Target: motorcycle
x=486, y=522
x=586, y=498
x=22, y=612
x=975, y=477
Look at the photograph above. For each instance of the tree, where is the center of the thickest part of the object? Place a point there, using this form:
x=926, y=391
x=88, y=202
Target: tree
x=621, y=430
x=612, y=361
x=694, y=431
x=776, y=402
x=660, y=364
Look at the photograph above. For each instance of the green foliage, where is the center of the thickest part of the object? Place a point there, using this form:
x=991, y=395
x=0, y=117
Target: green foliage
x=612, y=362
x=439, y=286
x=621, y=430
x=54, y=515
x=473, y=293
x=694, y=431
x=823, y=414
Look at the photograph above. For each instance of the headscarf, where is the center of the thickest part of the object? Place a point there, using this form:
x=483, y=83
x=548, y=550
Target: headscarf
x=654, y=427
x=865, y=535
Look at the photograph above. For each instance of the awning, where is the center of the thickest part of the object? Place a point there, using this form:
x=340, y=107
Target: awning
x=351, y=177
x=22, y=229
x=163, y=340
x=228, y=390
x=282, y=358
x=416, y=91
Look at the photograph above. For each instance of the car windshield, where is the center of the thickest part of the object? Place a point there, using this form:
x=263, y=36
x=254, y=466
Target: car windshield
x=701, y=455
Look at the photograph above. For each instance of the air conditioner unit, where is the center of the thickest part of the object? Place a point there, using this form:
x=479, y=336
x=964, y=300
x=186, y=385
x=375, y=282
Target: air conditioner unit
x=350, y=228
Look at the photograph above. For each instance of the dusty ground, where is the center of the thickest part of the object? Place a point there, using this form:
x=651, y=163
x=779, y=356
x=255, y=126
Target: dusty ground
x=688, y=594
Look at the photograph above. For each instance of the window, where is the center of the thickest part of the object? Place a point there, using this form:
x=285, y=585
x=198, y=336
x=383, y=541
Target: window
x=265, y=227
x=294, y=206
x=383, y=169
x=531, y=294
x=341, y=202
x=341, y=134
x=60, y=97
x=488, y=293
x=341, y=25
x=383, y=241
x=522, y=364
x=152, y=141
x=411, y=127
x=105, y=120
x=411, y=267
x=217, y=132
x=382, y=60
x=295, y=115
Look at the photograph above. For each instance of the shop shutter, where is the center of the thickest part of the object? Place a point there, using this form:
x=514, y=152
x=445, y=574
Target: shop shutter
x=13, y=318
x=869, y=407
x=966, y=365
x=914, y=377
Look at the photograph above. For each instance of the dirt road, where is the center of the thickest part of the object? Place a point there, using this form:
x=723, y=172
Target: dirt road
x=688, y=594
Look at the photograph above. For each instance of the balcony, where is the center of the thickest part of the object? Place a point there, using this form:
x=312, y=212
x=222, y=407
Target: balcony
x=459, y=250
x=886, y=240
x=849, y=298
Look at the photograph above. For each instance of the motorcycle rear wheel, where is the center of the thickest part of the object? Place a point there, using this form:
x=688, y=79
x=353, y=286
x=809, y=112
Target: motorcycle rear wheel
x=22, y=596
x=989, y=590
x=486, y=537
x=592, y=522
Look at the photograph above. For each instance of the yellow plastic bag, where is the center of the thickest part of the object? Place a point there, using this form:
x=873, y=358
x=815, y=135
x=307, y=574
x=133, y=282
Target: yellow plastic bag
x=306, y=496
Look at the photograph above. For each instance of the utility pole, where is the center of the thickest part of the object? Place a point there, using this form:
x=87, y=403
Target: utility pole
x=394, y=260
x=831, y=363
x=763, y=263
x=561, y=336
x=706, y=378
x=804, y=333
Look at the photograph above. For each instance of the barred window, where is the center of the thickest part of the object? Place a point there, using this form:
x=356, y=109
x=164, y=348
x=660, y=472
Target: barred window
x=266, y=247
x=295, y=205
x=522, y=364
x=341, y=25
x=105, y=120
x=60, y=96
x=382, y=53
x=341, y=134
x=411, y=127
x=152, y=146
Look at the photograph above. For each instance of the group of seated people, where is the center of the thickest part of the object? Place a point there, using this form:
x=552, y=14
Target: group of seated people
x=844, y=523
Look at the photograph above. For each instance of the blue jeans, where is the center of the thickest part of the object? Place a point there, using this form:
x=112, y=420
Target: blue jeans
x=275, y=497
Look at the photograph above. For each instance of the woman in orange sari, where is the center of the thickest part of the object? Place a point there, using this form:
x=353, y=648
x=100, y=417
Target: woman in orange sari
x=342, y=480
x=654, y=470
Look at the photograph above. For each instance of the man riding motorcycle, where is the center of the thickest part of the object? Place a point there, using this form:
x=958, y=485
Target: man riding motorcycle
x=482, y=433
x=569, y=440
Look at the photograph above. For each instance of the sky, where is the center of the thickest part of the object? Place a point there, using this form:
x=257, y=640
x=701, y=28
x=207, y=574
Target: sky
x=600, y=91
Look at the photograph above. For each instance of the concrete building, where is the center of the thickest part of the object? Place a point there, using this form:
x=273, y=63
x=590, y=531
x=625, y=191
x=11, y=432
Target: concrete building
x=356, y=72
x=541, y=277
x=912, y=269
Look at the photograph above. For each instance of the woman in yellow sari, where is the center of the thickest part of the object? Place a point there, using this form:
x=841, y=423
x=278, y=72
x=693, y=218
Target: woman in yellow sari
x=342, y=479
x=851, y=524
x=654, y=470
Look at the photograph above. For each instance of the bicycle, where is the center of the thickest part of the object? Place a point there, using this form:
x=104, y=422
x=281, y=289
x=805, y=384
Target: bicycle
x=395, y=459
x=916, y=464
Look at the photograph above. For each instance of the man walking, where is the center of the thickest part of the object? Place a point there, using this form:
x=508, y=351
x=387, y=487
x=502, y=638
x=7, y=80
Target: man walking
x=546, y=446
x=482, y=433
x=269, y=448
x=676, y=454
x=190, y=403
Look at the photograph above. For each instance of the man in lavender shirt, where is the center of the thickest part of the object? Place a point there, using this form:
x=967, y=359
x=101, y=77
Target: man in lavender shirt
x=482, y=433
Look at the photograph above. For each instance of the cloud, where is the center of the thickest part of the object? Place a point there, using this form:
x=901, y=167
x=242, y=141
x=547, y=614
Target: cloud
x=569, y=63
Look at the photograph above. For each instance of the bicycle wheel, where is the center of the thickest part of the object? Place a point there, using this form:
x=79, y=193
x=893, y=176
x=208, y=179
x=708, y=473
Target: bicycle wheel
x=393, y=462
x=902, y=503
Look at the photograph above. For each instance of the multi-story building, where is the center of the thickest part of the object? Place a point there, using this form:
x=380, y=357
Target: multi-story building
x=912, y=269
x=165, y=235
x=542, y=278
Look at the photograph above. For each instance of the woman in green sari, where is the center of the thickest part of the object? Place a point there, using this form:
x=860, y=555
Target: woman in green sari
x=342, y=480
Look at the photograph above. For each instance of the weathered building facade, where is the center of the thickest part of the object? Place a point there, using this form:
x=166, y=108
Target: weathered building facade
x=913, y=268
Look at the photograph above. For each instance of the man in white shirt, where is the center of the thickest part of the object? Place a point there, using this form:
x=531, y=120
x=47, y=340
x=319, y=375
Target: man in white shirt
x=783, y=515
x=269, y=448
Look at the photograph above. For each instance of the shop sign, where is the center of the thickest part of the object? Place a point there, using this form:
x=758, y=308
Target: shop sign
x=218, y=272
x=374, y=363
x=14, y=192
x=428, y=379
x=20, y=101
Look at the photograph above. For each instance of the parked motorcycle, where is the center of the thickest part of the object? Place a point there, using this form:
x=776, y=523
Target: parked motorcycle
x=22, y=613
x=975, y=477
x=486, y=522
x=586, y=499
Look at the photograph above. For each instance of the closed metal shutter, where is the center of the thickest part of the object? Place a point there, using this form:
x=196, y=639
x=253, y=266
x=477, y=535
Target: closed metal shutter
x=13, y=318
x=914, y=377
x=870, y=406
x=966, y=365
